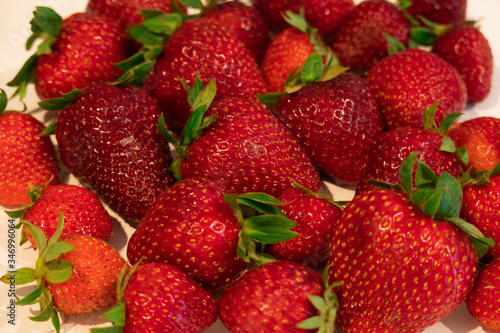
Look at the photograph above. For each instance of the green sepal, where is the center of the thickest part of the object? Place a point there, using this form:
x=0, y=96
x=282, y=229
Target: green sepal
x=144, y=36
x=3, y=100
x=268, y=229
x=427, y=200
x=261, y=202
x=447, y=122
x=45, y=22
x=21, y=276
x=109, y=329
x=271, y=99
x=481, y=244
x=429, y=119
x=165, y=24
x=32, y=297
x=135, y=75
x=59, y=103
x=58, y=271
x=50, y=130
x=423, y=36
x=37, y=234
x=393, y=45
x=56, y=250
x=45, y=314
x=312, y=69
x=25, y=76
x=117, y=314
x=196, y=4
x=15, y=214
x=425, y=178
x=405, y=173
x=448, y=146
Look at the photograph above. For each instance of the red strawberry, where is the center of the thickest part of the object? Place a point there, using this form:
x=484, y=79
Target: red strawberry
x=439, y=11
x=468, y=50
x=481, y=137
x=404, y=267
x=28, y=157
x=84, y=49
x=245, y=22
x=271, y=298
x=483, y=302
x=108, y=138
x=201, y=46
x=337, y=122
x=359, y=41
x=316, y=217
x=407, y=82
x=83, y=211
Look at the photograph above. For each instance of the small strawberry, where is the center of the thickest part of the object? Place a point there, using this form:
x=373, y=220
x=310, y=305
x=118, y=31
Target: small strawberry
x=468, y=50
x=409, y=81
x=279, y=296
x=75, y=275
x=84, y=212
x=28, y=157
x=78, y=51
x=316, y=216
x=108, y=138
x=481, y=138
x=157, y=297
x=359, y=41
x=438, y=11
x=483, y=301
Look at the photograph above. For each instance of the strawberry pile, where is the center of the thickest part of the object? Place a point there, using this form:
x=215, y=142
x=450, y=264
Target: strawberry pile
x=212, y=132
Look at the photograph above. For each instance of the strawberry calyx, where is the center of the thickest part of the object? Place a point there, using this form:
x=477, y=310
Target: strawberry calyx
x=48, y=268
x=320, y=195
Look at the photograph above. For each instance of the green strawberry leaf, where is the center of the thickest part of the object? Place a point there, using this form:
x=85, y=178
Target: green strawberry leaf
x=447, y=122
x=481, y=243
x=19, y=277
x=195, y=90
x=393, y=45
x=451, y=200
x=45, y=20
x=58, y=271
x=144, y=35
x=427, y=200
x=55, y=250
x=15, y=214
x=55, y=236
x=205, y=96
x=37, y=234
x=32, y=297
x=50, y=130
x=269, y=229
x=109, y=329
x=272, y=99
x=45, y=314
x=312, y=69
x=423, y=36
x=448, y=146
x=25, y=76
x=196, y=4
x=297, y=21
x=405, y=173
x=311, y=323
x=424, y=176
x=165, y=24
x=135, y=75
x=59, y=103
x=429, y=119
x=3, y=100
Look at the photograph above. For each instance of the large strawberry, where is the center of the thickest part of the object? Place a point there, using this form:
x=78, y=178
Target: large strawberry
x=467, y=49
x=359, y=42
x=108, y=138
x=207, y=48
x=405, y=264
x=483, y=301
x=481, y=138
x=77, y=52
x=438, y=11
x=28, y=157
x=158, y=297
x=409, y=81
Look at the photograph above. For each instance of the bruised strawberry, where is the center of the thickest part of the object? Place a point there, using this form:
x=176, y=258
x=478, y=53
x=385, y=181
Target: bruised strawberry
x=109, y=139
x=438, y=11
x=407, y=82
x=467, y=49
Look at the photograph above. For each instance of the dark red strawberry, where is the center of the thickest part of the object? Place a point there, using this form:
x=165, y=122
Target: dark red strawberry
x=108, y=138
x=336, y=122
x=245, y=22
x=359, y=41
x=316, y=217
x=483, y=301
x=207, y=48
x=481, y=137
x=438, y=11
x=468, y=50
x=28, y=157
x=407, y=82
x=79, y=51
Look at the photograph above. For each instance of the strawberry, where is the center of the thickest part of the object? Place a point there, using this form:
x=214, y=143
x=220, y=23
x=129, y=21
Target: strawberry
x=336, y=122
x=483, y=302
x=468, y=50
x=481, y=138
x=157, y=297
x=28, y=157
x=275, y=297
x=316, y=216
x=207, y=48
x=359, y=41
x=108, y=138
x=405, y=264
x=245, y=22
x=438, y=11
x=409, y=81
x=75, y=275
x=78, y=51
x=83, y=211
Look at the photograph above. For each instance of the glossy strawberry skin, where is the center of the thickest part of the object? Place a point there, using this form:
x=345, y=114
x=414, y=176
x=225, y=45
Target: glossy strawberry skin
x=408, y=82
x=481, y=137
x=286, y=52
x=401, y=270
x=83, y=212
x=316, y=219
x=248, y=150
x=92, y=286
x=28, y=158
x=396, y=145
x=85, y=53
x=337, y=122
x=209, y=49
x=246, y=23
x=468, y=50
x=270, y=298
x=480, y=207
x=191, y=227
x=439, y=11
x=162, y=298
x=483, y=302
x=108, y=138
x=359, y=42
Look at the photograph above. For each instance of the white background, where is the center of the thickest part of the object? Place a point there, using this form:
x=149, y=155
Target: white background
x=15, y=28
